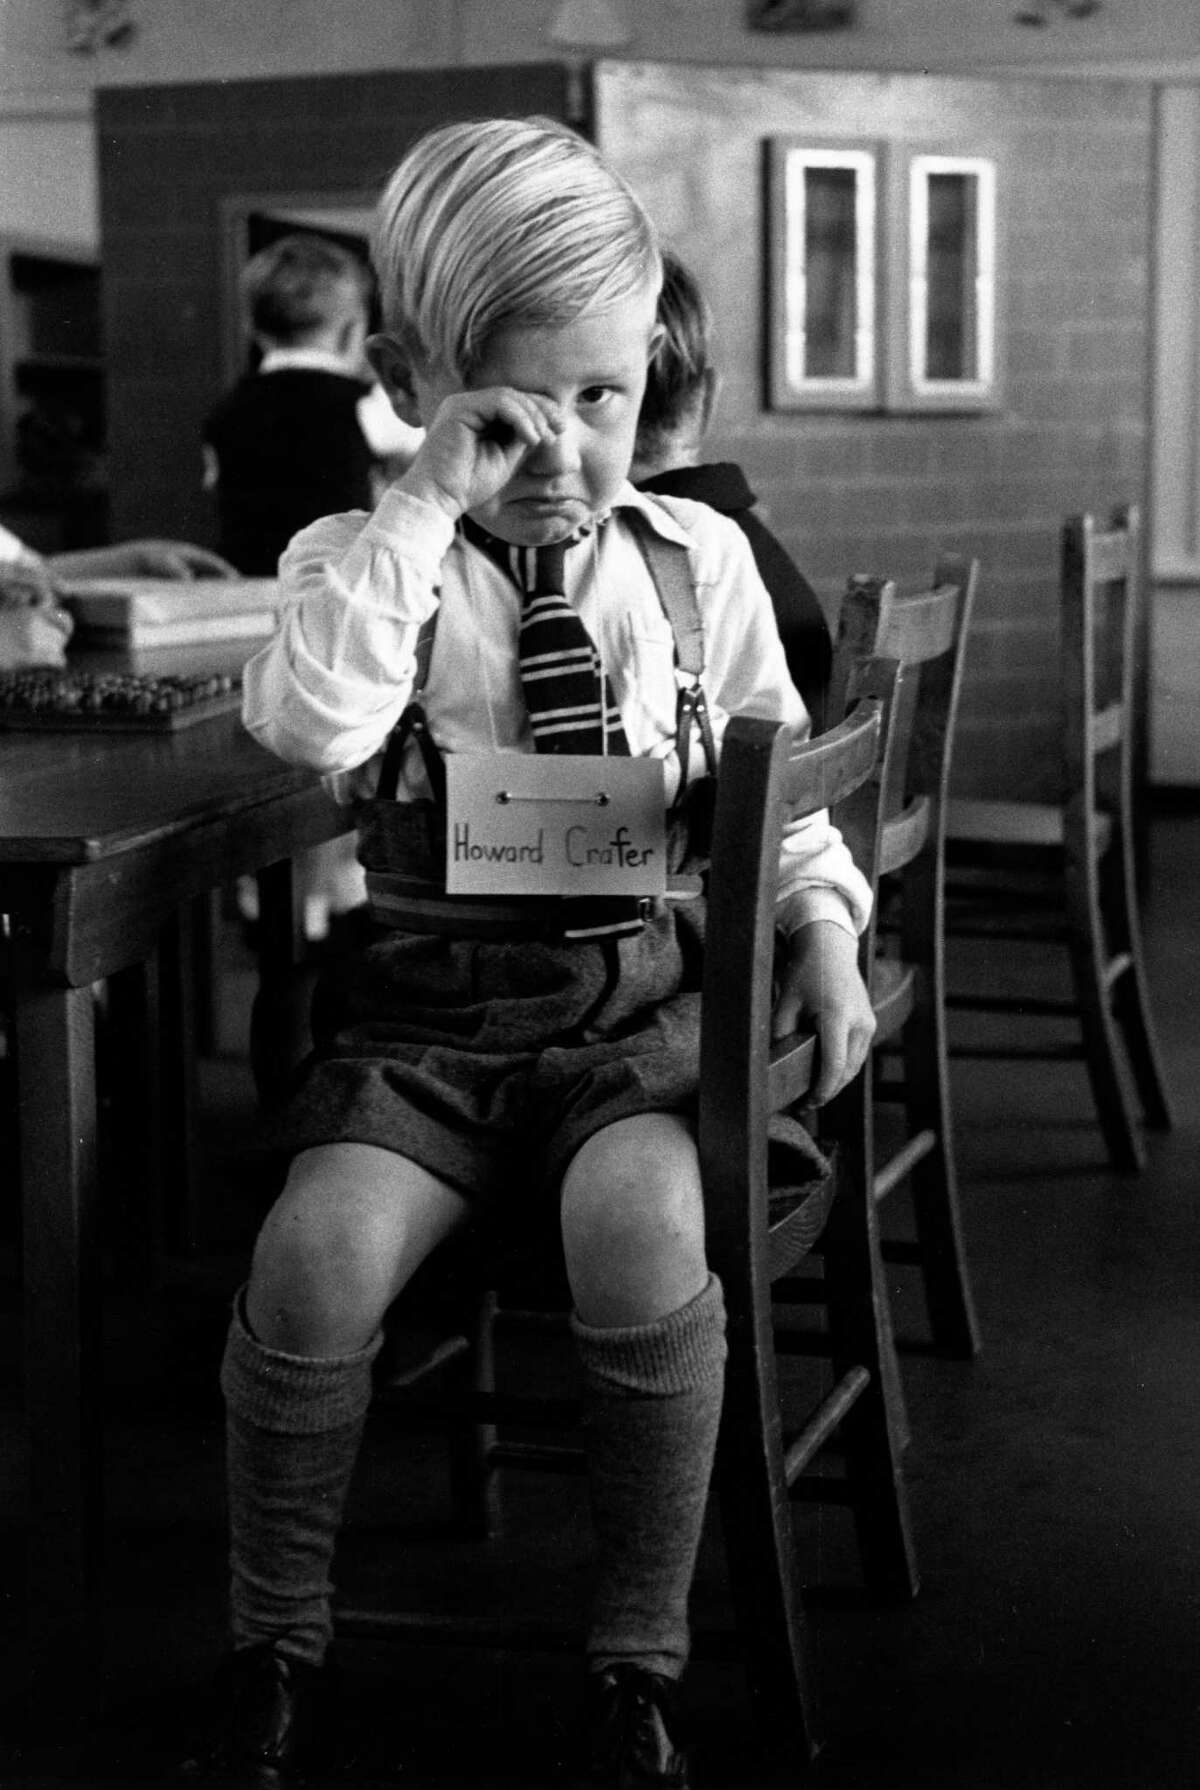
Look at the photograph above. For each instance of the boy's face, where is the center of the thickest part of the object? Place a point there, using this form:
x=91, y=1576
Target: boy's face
x=595, y=370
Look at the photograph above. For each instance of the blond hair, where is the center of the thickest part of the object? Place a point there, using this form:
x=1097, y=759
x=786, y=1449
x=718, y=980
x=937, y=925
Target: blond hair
x=500, y=222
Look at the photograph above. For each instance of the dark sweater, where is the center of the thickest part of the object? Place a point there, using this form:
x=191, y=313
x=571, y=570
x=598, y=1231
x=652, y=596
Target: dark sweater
x=798, y=613
x=290, y=448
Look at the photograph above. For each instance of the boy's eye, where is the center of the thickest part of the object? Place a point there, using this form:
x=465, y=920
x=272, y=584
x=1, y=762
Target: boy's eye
x=593, y=395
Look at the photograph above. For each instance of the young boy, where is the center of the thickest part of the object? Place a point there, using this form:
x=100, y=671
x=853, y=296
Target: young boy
x=294, y=441
x=528, y=1051
x=681, y=394
x=288, y=443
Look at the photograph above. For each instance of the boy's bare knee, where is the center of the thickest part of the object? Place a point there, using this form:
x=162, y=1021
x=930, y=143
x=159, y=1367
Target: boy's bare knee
x=633, y=1223
x=349, y=1228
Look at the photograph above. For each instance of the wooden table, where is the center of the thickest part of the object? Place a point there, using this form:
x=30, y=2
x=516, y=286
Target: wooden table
x=103, y=840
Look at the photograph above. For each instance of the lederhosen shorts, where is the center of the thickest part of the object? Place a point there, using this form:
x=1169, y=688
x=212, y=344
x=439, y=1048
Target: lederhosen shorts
x=490, y=1060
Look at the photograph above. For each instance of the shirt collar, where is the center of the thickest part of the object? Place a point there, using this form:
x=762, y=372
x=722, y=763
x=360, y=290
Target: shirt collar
x=281, y=360
x=656, y=514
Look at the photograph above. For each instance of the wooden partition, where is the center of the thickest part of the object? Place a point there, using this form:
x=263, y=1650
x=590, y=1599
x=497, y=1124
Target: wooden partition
x=175, y=164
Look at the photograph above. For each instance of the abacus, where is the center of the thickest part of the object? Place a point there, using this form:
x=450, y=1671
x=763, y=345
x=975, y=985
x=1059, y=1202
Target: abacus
x=120, y=701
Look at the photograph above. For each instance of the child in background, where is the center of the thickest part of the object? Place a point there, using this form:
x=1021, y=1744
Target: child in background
x=527, y=1055
x=681, y=395
x=288, y=443
x=297, y=439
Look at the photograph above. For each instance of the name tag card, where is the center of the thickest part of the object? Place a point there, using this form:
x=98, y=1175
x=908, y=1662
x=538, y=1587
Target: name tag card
x=558, y=824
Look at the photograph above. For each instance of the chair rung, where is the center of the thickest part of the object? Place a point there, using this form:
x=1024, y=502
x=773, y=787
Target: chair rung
x=1033, y=1007
x=531, y=1318
x=824, y=1420
x=543, y=1457
x=903, y=1162
x=1014, y=1053
x=1007, y=929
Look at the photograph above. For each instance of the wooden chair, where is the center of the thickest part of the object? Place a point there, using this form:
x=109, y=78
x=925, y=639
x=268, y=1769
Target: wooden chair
x=926, y=634
x=757, y=1234
x=1065, y=870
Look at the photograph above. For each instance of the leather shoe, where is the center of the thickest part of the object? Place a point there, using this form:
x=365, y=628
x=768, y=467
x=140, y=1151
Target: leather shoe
x=273, y=1709
x=631, y=1731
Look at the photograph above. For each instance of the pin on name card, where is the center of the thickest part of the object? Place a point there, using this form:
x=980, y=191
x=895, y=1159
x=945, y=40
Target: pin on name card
x=520, y=824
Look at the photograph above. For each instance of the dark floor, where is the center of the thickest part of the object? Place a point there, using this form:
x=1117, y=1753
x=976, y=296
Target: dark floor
x=1055, y=1487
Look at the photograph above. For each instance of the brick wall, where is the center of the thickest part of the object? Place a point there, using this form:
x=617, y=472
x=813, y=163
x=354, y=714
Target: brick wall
x=882, y=493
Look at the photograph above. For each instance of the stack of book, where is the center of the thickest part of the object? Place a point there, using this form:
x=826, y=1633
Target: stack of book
x=144, y=613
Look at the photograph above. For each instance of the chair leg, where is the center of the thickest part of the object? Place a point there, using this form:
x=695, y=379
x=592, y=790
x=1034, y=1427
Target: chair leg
x=1132, y=1012
x=1112, y=1088
x=860, y=1337
x=751, y=1485
x=1131, y=1001
x=934, y=1180
x=474, y=1487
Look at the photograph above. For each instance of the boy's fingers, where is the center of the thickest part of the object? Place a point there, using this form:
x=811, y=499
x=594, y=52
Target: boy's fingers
x=831, y=1061
x=533, y=419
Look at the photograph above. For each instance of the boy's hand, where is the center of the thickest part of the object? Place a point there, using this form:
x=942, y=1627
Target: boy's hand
x=821, y=985
x=475, y=443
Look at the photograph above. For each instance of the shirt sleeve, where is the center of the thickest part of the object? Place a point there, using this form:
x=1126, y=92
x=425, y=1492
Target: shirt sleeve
x=328, y=687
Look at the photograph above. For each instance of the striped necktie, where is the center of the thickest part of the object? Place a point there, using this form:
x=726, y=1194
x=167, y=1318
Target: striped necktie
x=571, y=707
x=553, y=634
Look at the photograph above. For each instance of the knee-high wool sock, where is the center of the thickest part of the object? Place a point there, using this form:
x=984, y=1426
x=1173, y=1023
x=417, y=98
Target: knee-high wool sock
x=293, y=1429
x=652, y=1403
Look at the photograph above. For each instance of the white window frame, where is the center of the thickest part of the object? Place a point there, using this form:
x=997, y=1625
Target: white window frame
x=790, y=387
x=978, y=390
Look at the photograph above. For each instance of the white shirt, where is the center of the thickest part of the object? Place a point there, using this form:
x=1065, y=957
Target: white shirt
x=329, y=686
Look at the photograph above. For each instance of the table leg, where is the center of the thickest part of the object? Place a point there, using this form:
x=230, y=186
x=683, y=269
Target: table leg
x=279, y=1027
x=55, y=1036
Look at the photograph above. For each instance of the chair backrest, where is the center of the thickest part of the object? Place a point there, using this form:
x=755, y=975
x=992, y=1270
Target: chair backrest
x=1099, y=581
x=767, y=776
x=925, y=632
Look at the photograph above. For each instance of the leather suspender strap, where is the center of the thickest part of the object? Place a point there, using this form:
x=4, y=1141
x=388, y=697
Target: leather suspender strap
x=413, y=725
x=670, y=569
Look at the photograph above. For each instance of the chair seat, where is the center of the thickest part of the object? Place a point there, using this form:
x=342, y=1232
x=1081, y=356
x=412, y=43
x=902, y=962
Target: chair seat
x=982, y=822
